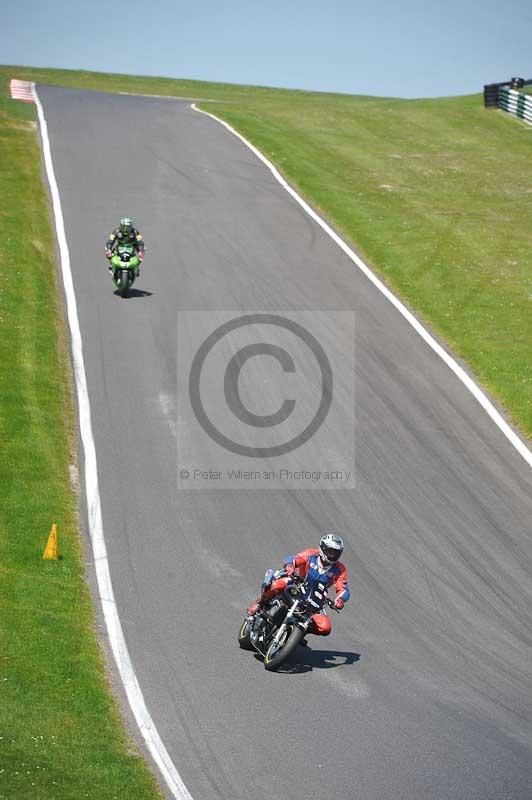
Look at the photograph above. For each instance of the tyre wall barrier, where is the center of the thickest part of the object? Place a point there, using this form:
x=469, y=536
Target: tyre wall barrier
x=509, y=97
x=516, y=103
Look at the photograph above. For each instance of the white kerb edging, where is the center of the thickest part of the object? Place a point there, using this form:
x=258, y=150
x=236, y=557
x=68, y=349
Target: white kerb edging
x=460, y=373
x=21, y=90
x=101, y=564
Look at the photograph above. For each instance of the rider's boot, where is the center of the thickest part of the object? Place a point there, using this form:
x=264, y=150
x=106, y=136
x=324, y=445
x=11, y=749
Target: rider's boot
x=255, y=607
x=266, y=594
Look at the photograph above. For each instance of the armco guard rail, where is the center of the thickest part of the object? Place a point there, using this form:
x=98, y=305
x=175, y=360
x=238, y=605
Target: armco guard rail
x=506, y=95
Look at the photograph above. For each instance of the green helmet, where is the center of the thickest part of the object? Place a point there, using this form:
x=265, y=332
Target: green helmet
x=126, y=226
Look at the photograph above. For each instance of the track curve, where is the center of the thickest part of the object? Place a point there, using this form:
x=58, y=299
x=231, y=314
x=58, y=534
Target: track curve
x=424, y=688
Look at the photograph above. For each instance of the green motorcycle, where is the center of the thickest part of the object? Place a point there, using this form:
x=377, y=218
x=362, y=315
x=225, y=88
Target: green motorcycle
x=124, y=264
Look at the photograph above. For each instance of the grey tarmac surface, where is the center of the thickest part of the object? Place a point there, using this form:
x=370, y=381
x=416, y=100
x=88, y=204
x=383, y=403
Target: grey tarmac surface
x=424, y=688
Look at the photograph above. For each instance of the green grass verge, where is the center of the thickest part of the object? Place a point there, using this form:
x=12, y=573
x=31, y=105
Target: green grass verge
x=436, y=194
x=60, y=733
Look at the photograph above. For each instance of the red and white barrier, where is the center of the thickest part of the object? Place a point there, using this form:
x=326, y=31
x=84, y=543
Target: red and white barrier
x=22, y=90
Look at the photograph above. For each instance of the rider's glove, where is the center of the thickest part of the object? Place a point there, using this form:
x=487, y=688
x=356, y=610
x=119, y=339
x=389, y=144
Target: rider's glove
x=108, y=253
x=140, y=255
x=339, y=603
x=267, y=582
x=289, y=570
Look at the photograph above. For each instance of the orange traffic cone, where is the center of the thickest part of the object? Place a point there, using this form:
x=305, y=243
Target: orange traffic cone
x=51, y=551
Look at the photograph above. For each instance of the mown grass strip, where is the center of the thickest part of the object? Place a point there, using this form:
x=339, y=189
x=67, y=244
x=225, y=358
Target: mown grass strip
x=436, y=195
x=61, y=735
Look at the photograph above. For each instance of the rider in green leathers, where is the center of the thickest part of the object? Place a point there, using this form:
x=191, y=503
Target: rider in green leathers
x=126, y=233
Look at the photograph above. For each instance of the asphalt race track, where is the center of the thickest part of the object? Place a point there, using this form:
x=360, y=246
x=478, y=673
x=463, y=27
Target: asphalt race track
x=424, y=688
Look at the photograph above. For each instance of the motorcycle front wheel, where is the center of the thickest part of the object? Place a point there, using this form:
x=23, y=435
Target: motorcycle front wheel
x=243, y=635
x=279, y=652
x=124, y=282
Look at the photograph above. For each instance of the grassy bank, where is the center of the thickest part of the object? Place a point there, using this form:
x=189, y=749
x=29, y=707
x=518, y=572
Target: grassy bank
x=60, y=734
x=435, y=194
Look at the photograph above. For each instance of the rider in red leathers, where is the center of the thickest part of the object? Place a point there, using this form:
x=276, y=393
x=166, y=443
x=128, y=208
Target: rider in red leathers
x=316, y=565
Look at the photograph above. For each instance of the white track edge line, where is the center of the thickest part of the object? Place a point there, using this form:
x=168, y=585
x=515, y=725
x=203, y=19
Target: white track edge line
x=158, y=96
x=114, y=628
x=453, y=365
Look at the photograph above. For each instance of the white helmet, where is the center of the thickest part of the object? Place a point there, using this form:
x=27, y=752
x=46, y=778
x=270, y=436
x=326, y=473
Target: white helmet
x=331, y=548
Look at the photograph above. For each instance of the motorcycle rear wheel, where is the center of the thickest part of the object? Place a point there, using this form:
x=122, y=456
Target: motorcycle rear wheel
x=243, y=636
x=275, y=655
